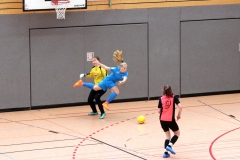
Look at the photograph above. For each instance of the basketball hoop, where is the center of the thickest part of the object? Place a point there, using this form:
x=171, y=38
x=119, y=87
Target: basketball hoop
x=60, y=7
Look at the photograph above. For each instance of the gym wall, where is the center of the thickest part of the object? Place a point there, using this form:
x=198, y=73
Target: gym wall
x=193, y=49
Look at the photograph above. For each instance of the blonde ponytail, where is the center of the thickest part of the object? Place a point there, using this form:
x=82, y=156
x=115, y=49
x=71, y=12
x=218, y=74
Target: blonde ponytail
x=117, y=56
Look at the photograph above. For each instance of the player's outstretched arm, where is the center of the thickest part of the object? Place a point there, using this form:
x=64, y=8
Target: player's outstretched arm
x=123, y=81
x=102, y=65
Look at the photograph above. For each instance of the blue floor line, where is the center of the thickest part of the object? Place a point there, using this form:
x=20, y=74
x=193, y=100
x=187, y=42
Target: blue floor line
x=7, y=156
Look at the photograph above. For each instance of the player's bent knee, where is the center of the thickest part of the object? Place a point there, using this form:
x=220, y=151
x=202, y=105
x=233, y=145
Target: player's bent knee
x=177, y=133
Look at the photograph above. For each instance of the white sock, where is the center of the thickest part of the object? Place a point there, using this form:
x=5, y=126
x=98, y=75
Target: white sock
x=170, y=144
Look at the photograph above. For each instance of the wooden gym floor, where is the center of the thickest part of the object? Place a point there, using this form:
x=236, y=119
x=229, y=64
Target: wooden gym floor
x=210, y=129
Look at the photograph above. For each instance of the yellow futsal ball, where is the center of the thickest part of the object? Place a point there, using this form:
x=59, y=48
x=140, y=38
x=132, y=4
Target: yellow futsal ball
x=141, y=119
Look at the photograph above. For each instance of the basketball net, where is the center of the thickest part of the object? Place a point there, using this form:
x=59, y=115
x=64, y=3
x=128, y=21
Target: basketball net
x=60, y=7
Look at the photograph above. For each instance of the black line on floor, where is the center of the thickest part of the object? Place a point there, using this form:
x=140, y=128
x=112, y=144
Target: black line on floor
x=118, y=148
x=39, y=149
x=38, y=127
x=39, y=142
x=53, y=132
x=232, y=116
x=42, y=148
x=218, y=110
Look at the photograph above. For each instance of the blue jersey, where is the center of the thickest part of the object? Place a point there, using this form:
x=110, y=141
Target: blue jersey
x=110, y=80
x=116, y=75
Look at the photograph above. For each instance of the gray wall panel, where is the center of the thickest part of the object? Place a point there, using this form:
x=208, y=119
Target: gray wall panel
x=57, y=65
x=56, y=61
x=164, y=55
x=210, y=12
x=132, y=40
x=115, y=17
x=210, y=56
x=14, y=62
x=48, y=20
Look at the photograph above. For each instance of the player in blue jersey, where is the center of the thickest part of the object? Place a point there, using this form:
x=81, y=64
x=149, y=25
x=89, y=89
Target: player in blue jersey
x=119, y=75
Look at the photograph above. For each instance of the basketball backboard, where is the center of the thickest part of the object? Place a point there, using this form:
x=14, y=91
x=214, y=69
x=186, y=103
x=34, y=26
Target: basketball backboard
x=40, y=5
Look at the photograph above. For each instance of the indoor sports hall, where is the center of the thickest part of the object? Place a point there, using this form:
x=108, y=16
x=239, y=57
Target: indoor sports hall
x=191, y=45
x=209, y=128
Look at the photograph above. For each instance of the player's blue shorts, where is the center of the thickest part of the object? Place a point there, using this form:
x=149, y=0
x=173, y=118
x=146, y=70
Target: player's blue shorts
x=106, y=84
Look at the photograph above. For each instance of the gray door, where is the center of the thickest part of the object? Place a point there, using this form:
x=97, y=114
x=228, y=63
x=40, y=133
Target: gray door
x=56, y=61
x=58, y=56
x=210, y=56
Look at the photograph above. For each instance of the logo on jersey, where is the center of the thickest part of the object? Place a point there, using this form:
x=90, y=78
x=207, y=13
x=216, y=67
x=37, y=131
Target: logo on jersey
x=167, y=104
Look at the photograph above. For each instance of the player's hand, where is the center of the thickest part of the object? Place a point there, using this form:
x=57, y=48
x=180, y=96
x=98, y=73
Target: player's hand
x=120, y=83
x=82, y=75
x=178, y=117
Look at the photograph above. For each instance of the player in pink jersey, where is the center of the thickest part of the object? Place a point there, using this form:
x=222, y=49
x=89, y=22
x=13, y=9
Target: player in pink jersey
x=166, y=109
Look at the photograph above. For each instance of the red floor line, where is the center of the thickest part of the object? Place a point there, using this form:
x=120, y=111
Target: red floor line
x=111, y=110
x=70, y=116
x=79, y=144
x=84, y=115
x=113, y=113
x=156, y=107
x=210, y=148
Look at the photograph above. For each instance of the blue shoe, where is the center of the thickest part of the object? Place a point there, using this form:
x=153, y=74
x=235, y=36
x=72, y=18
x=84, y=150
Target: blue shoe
x=166, y=155
x=92, y=113
x=102, y=116
x=170, y=150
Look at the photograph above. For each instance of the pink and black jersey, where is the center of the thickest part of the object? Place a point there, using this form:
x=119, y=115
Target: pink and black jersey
x=167, y=105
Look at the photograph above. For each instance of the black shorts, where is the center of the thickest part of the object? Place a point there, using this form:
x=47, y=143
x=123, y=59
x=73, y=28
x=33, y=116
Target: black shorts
x=172, y=125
